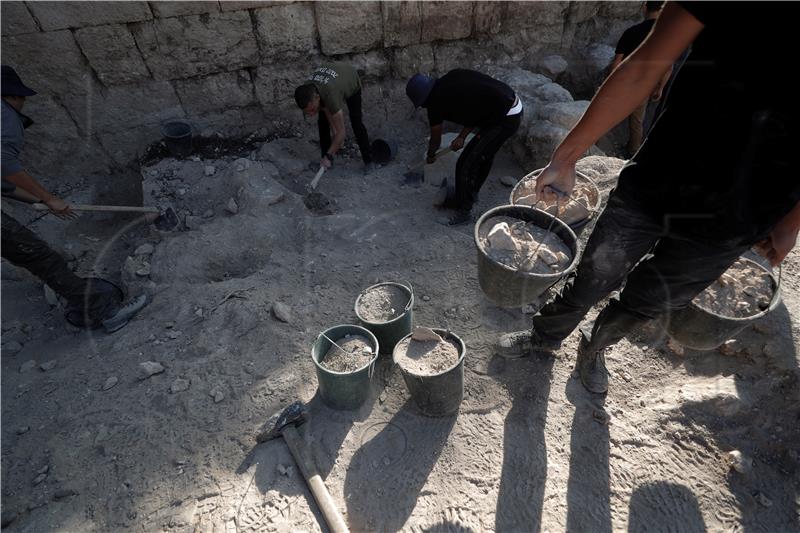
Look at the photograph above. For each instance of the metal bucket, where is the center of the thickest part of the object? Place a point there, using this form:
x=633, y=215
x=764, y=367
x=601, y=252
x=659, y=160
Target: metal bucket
x=178, y=138
x=383, y=151
x=343, y=390
x=388, y=333
x=502, y=284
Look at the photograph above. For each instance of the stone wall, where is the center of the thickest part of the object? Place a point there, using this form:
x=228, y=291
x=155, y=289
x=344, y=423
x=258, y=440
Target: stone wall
x=109, y=73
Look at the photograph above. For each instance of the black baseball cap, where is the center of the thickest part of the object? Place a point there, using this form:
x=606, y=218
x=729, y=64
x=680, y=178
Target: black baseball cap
x=12, y=85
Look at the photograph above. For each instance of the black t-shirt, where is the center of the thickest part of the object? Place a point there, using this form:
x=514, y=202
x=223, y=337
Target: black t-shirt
x=468, y=98
x=633, y=37
x=716, y=162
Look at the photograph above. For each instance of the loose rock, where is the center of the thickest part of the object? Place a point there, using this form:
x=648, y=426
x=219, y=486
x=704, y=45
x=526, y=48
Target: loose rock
x=740, y=462
x=38, y=479
x=12, y=347
x=192, y=222
x=27, y=366
x=49, y=365
x=144, y=249
x=217, y=393
x=144, y=270
x=210, y=170
x=110, y=382
x=508, y=181
x=179, y=385
x=149, y=368
x=763, y=500
x=23, y=430
x=64, y=493
x=281, y=312
x=232, y=207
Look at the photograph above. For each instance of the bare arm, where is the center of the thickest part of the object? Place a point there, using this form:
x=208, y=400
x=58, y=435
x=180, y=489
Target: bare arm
x=28, y=187
x=627, y=87
x=458, y=142
x=782, y=238
x=615, y=63
x=336, y=120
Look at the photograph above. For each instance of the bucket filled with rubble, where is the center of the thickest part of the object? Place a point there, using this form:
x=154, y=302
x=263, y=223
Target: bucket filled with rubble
x=432, y=364
x=744, y=293
x=522, y=252
x=386, y=309
x=344, y=357
x=576, y=210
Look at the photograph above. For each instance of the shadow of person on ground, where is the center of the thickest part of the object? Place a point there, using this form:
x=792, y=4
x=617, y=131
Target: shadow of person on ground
x=664, y=506
x=391, y=466
x=588, y=488
x=521, y=493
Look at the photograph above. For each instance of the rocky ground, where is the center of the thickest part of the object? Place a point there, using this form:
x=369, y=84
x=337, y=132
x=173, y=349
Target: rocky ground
x=152, y=428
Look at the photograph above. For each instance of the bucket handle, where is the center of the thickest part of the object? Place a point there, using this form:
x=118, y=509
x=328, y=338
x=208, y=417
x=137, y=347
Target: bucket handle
x=407, y=285
x=549, y=227
x=560, y=192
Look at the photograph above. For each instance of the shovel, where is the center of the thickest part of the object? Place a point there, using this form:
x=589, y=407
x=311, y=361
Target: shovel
x=166, y=221
x=417, y=173
x=316, y=201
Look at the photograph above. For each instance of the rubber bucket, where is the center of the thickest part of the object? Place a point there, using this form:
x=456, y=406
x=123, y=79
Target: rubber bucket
x=701, y=329
x=527, y=182
x=343, y=390
x=178, y=138
x=439, y=394
x=383, y=151
x=389, y=333
x=507, y=287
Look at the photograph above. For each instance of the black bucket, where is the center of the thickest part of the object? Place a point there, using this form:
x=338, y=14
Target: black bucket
x=440, y=394
x=701, y=329
x=507, y=287
x=178, y=138
x=383, y=151
x=388, y=333
x=343, y=390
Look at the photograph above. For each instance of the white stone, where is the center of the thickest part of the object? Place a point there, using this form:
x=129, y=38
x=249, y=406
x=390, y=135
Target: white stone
x=150, y=368
x=232, y=207
x=553, y=65
x=347, y=27
x=179, y=385
x=281, y=312
x=12, y=347
x=49, y=365
x=110, y=382
x=402, y=23
x=285, y=29
x=424, y=334
x=508, y=181
x=217, y=393
x=210, y=170
x=500, y=238
x=443, y=21
x=27, y=366
x=144, y=249
x=740, y=462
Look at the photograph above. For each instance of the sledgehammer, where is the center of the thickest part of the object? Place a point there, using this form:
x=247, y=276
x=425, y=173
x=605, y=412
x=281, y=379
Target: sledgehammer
x=284, y=424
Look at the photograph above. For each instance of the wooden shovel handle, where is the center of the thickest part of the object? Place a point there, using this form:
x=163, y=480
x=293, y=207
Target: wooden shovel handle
x=304, y=461
x=113, y=208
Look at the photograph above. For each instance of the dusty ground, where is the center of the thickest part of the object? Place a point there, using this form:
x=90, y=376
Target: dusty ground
x=529, y=450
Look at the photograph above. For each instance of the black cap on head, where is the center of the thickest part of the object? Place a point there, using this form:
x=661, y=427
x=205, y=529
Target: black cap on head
x=12, y=85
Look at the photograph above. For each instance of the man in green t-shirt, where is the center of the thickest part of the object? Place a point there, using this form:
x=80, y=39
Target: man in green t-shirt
x=330, y=87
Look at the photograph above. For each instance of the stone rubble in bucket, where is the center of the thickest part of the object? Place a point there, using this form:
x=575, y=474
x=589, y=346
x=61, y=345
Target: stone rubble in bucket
x=745, y=289
x=513, y=243
x=426, y=353
x=569, y=210
x=352, y=353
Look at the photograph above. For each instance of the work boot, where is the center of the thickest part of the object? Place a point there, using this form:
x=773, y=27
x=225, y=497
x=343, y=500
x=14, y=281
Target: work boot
x=591, y=366
x=124, y=314
x=524, y=343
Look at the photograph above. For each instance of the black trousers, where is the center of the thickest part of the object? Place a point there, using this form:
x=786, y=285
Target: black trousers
x=356, y=120
x=678, y=270
x=25, y=249
x=475, y=162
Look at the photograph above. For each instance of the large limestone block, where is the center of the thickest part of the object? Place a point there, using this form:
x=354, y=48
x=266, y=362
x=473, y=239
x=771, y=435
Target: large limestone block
x=178, y=9
x=276, y=83
x=489, y=16
x=16, y=19
x=232, y=5
x=580, y=12
x=60, y=15
x=60, y=69
x=544, y=17
x=216, y=92
x=182, y=47
x=286, y=28
x=473, y=55
x=126, y=146
x=412, y=59
x=229, y=122
x=112, y=53
x=371, y=66
x=443, y=21
x=620, y=10
x=347, y=27
x=564, y=114
x=402, y=23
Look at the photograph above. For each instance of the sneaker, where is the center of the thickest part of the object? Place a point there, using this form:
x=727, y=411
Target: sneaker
x=125, y=312
x=591, y=366
x=460, y=218
x=523, y=343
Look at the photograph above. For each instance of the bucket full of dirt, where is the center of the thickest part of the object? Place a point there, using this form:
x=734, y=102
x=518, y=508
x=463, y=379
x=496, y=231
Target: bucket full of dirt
x=344, y=357
x=432, y=364
x=744, y=293
x=576, y=211
x=387, y=310
x=522, y=252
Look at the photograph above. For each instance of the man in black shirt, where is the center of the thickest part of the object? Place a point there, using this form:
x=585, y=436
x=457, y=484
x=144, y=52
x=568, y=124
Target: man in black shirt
x=630, y=41
x=711, y=180
x=473, y=100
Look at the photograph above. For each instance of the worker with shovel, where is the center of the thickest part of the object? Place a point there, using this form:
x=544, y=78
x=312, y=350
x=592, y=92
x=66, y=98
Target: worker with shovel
x=86, y=299
x=713, y=178
x=325, y=94
x=473, y=100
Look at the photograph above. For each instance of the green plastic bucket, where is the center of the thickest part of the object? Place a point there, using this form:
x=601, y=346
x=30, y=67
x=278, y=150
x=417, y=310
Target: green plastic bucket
x=438, y=394
x=343, y=390
x=389, y=333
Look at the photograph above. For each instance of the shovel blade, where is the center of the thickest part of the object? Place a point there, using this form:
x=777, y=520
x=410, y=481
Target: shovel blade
x=167, y=221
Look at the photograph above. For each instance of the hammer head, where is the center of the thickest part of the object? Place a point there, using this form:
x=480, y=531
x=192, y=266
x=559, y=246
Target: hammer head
x=295, y=414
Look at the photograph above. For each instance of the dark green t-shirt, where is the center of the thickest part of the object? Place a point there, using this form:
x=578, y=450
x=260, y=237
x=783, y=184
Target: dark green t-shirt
x=335, y=82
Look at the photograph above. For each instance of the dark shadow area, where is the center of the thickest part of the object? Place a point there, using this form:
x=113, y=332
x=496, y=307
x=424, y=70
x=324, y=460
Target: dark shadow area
x=663, y=506
x=391, y=466
x=521, y=493
x=588, y=489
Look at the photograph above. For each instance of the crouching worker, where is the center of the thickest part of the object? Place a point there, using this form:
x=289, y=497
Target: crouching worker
x=472, y=100
x=329, y=89
x=89, y=302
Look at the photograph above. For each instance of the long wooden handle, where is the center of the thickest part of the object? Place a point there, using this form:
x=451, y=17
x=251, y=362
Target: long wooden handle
x=115, y=208
x=303, y=459
x=317, y=177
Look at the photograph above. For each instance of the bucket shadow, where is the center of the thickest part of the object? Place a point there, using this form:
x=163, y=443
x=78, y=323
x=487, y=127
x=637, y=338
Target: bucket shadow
x=521, y=492
x=663, y=506
x=588, y=488
x=390, y=468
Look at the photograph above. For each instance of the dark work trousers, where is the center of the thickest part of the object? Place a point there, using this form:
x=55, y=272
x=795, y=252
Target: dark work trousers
x=356, y=120
x=475, y=162
x=678, y=270
x=25, y=249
